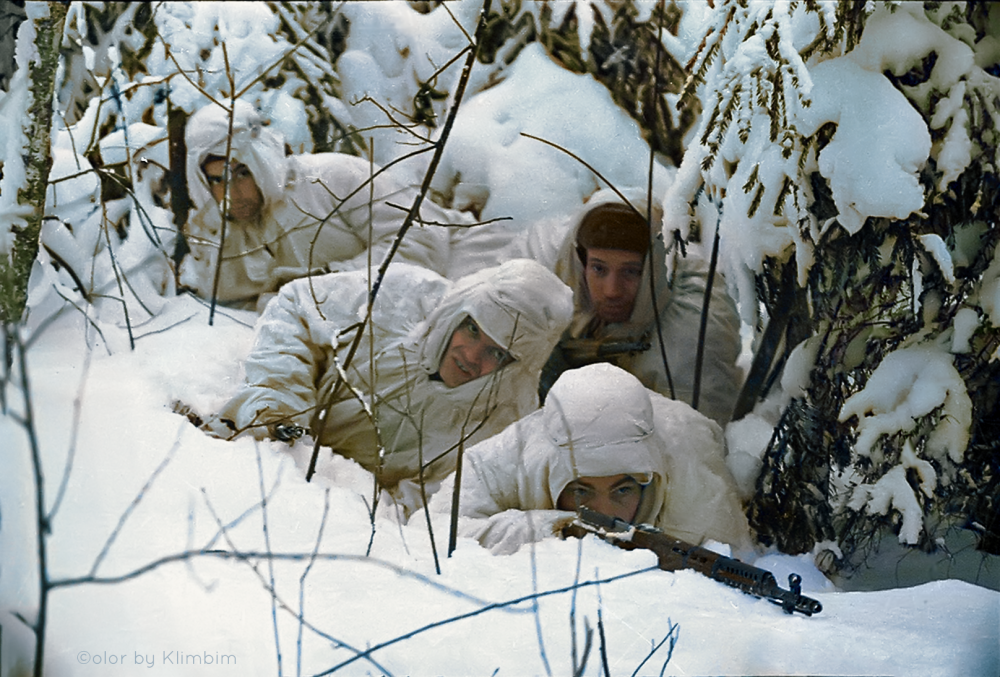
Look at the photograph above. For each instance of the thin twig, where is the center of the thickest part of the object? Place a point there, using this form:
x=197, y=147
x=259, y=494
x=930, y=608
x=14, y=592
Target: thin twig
x=413, y=214
x=588, y=644
x=703, y=326
x=41, y=521
x=482, y=610
x=74, y=433
x=534, y=604
x=673, y=633
x=489, y=387
x=123, y=518
x=302, y=579
x=600, y=630
x=475, y=224
x=423, y=495
x=263, y=74
x=118, y=277
x=267, y=547
x=247, y=555
x=586, y=164
x=572, y=607
x=649, y=216
x=274, y=594
x=225, y=186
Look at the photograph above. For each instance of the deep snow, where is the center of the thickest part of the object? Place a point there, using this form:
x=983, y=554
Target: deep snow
x=145, y=475
x=136, y=483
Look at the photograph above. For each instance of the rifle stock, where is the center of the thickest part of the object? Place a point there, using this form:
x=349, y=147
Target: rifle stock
x=673, y=554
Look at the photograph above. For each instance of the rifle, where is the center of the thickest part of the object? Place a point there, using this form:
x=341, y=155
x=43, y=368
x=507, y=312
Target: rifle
x=674, y=554
x=582, y=351
x=578, y=352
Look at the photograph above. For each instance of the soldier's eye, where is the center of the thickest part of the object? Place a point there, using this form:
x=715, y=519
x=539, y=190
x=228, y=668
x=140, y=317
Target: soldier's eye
x=500, y=356
x=627, y=490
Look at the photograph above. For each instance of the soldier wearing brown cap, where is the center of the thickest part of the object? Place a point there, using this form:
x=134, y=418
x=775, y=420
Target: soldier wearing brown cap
x=611, y=243
x=607, y=258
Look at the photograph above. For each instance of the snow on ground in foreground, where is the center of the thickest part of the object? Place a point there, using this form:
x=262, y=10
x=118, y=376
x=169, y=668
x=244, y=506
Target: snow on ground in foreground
x=218, y=610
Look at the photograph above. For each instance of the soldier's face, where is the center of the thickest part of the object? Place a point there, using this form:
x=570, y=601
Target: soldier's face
x=245, y=198
x=613, y=277
x=471, y=353
x=614, y=495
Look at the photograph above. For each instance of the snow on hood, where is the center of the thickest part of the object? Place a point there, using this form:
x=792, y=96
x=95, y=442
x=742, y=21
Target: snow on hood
x=519, y=304
x=259, y=148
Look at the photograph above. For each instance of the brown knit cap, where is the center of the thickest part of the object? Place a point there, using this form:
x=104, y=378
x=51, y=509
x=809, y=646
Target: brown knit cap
x=613, y=226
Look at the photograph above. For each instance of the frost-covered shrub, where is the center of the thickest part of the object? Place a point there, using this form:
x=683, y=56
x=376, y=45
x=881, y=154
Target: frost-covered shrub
x=129, y=76
x=854, y=149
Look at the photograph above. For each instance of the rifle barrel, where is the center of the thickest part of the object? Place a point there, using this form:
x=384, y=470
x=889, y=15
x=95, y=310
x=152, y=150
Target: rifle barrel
x=673, y=554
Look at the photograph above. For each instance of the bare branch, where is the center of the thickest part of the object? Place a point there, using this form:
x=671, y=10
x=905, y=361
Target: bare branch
x=534, y=603
x=407, y=223
x=267, y=546
x=134, y=504
x=305, y=572
x=673, y=634
x=43, y=527
x=482, y=610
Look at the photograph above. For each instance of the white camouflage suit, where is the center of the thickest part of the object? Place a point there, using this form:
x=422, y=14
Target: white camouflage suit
x=305, y=330
x=599, y=421
x=315, y=215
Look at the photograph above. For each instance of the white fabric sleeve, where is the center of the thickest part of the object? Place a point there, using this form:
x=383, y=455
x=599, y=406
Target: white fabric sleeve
x=680, y=317
x=701, y=499
x=505, y=532
x=423, y=245
x=290, y=352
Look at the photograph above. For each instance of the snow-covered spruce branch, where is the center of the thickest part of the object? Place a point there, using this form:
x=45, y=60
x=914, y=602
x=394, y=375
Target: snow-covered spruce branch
x=855, y=275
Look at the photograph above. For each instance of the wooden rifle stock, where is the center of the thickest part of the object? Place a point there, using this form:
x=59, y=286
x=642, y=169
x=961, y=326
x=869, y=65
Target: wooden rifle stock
x=674, y=554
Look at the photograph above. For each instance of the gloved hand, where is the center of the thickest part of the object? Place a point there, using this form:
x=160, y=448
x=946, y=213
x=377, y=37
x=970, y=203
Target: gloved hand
x=505, y=532
x=215, y=426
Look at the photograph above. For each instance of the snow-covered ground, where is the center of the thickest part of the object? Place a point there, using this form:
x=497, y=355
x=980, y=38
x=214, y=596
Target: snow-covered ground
x=145, y=507
x=145, y=487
